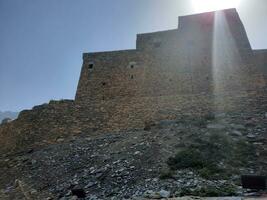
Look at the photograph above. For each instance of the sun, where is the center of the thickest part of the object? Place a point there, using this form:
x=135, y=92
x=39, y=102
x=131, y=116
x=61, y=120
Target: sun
x=210, y=5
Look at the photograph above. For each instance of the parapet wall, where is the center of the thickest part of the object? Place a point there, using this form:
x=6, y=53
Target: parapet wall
x=41, y=125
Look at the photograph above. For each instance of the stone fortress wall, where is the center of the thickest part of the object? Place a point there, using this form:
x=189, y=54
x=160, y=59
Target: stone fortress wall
x=172, y=62
x=190, y=70
x=205, y=66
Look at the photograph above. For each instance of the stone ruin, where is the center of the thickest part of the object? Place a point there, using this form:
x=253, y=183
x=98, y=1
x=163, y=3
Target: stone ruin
x=204, y=66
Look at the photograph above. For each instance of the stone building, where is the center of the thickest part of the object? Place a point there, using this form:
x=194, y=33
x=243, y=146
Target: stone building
x=204, y=66
x=188, y=70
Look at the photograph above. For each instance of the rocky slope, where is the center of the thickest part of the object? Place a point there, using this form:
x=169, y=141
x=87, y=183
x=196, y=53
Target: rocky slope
x=8, y=114
x=133, y=164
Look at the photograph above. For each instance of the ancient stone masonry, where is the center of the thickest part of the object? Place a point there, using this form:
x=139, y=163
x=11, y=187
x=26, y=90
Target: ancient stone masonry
x=183, y=71
x=205, y=65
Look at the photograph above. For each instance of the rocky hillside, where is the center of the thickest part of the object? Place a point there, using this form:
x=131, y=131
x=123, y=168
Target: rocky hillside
x=171, y=158
x=8, y=114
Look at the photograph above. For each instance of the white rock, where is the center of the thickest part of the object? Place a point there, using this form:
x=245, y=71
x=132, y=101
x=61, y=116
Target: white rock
x=93, y=197
x=251, y=136
x=236, y=133
x=238, y=126
x=155, y=180
x=215, y=126
x=151, y=194
x=164, y=194
x=60, y=140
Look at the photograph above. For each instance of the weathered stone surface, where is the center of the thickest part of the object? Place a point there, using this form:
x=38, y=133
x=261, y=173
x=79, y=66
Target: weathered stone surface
x=6, y=120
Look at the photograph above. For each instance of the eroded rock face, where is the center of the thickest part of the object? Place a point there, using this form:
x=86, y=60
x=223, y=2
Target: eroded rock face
x=8, y=114
x=6, y=120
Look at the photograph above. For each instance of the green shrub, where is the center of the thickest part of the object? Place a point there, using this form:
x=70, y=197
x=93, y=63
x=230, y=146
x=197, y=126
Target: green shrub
x=212, y=172
x=209, y=116
x=210, y=191
x=167, y=174
x=207, y=155
x=188, y=158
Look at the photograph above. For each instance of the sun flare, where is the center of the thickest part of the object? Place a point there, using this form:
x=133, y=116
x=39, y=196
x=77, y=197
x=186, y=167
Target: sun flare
x=210, y=5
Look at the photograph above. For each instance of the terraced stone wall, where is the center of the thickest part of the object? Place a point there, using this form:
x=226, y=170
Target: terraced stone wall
x=40, y=125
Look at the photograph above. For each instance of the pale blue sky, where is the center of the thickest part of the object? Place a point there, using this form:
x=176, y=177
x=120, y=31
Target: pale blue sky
x=42, y=41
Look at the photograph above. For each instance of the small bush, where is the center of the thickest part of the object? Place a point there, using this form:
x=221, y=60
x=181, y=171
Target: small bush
x=213, y=156
x=194, y=159
x=188, y=158
x=212, y=172
x=210, y=191
x=209, y=116
x=201, y=153
x=168, y=174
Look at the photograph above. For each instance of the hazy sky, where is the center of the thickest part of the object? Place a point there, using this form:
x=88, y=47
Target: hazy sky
x=42, y=41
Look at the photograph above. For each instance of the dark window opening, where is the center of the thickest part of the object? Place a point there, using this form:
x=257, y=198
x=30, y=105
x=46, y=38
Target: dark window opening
x=132, y=76
x=91, y=66
x=132, y=65
x=103, y=83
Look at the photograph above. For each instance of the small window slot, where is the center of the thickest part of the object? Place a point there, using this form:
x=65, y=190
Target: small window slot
x=91, y=65
x=132, y=65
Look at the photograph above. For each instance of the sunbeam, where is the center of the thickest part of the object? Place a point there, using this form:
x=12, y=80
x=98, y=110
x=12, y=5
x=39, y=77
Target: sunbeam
x=210, y=5
x=226, y=60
